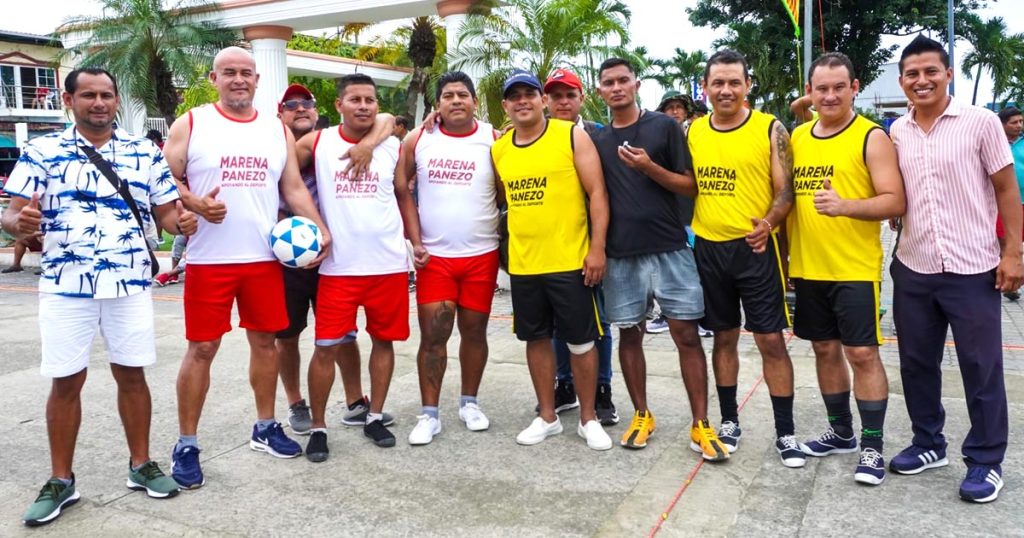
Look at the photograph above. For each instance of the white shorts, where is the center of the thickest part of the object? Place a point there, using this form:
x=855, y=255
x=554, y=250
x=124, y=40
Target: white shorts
x=68, y=326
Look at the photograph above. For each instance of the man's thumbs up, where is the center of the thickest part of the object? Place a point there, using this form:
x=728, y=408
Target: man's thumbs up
x=213, y=210
x=187, y=222
x=29, y=218
x=827, y=184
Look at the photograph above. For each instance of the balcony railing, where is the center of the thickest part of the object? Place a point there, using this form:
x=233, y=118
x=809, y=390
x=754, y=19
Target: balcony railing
x=29, y=97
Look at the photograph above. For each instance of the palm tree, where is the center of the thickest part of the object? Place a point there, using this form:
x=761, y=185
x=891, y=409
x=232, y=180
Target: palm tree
x=680, y=71
x=151, y=50
x=536, y=35
x=422, y=51
x=993, y=50
x=398, y=49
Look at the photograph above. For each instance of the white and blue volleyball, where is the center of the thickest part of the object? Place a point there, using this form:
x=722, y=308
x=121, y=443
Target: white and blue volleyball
x=296, y=241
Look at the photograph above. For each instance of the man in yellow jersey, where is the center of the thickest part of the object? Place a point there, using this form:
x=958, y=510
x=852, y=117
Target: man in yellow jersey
x=547, y=170
x=846, y=179
x=744, y=169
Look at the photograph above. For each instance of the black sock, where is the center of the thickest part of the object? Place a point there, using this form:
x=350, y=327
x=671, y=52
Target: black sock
x=782, y=408
x=872, y=418
x=727, y=403
x=839, y=416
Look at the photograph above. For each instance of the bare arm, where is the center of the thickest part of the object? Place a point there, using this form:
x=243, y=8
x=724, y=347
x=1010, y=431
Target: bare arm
x=174, y=218
x=782, y=186
x=176, y=152
x=304, y=149
x=1010, y=272
x=801, y=108
x=406, y=169
x=297, y=196
x=889, y=200
x=22, y=217
x=361, y=154
x=588, y=168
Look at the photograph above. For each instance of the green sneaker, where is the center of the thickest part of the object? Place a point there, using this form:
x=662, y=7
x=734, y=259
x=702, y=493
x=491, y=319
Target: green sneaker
x=52, y=498
x=152, y=480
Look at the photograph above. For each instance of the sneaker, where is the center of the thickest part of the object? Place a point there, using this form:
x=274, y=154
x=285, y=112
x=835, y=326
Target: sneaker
x=704, y=441
x=539, y=431
x=829, y=443
x=152, y=480
x=604, y=407
x=380, y=435
x=52, y=498
x=1012, y=296
x=299, y=419
x=639, y=430
x=185, y=468
x=12, y=269
x=316, y=448
x=729, y=433
x=474, y=418
x=982, y=484
x=595, y=435
x=425, y=430
x=914, y=459
x=172, y=280
x=704, y=333
x=870, y=468
x=356, y=413
x=657, y=325
x=273, y=441
x=565, y=396
x=162, y=279
x=789, y=451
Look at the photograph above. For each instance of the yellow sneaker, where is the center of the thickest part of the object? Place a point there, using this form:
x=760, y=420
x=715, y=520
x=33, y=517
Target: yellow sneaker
x=639, y=430
x=704, y=440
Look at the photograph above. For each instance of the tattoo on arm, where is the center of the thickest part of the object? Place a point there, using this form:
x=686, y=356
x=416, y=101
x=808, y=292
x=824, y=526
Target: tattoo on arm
x=784, y=152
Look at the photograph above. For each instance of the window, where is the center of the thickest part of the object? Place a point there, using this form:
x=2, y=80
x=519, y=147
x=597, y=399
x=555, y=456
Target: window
x=27, y=87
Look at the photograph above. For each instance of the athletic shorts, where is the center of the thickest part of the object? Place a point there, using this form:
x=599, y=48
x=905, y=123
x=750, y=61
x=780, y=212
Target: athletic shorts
x=211, y=290
x=1000, y=232
x=67, y=326
x=384, y=298
x=731, y=274
x=300, y=286
x=844, y=311
x=540, y=303
x=468, y=282
x=631, y=283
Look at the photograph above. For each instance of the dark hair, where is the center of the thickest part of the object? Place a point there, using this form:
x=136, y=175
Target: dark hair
x=354, y=79
x=154, y=135
x=1007, y=113
x=727, y=56
x=832, y=59
x=452, y=77
x=402, y=121
x=615, y=62
x=71, y=81
x=699, y=106
x=921, y=45
x=322, y=123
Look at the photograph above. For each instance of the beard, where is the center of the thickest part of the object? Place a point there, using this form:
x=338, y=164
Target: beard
x=238, y=104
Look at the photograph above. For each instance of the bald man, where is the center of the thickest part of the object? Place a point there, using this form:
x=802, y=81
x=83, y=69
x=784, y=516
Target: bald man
x=239, y=165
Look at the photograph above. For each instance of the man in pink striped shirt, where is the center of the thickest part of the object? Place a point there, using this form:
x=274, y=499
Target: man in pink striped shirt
x=948, y=270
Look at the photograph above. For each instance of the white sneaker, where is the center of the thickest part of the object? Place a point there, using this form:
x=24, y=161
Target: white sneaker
x=474, y=418
x=595, y=435
x=539, y=431
x=425, y=430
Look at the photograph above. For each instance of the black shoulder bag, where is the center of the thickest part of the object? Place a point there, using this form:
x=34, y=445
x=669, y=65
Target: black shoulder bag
x=121, y=186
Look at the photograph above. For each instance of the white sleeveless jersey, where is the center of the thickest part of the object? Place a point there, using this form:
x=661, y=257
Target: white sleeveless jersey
x=455, y=185
x=361, y=213
x=246, y=160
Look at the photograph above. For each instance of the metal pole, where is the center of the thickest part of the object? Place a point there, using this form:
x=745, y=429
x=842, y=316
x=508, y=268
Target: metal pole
x=950, y=39
x=808, y=34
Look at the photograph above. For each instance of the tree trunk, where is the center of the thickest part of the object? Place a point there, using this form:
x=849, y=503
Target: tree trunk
x=977, y=80
x=414, y=91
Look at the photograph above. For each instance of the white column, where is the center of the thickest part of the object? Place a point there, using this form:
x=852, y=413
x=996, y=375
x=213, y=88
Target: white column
x=268, y=49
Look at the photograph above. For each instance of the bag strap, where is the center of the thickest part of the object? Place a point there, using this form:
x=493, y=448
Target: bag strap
x=120, y=185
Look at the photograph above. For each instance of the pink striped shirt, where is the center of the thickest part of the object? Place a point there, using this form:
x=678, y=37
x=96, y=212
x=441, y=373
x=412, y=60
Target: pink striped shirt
x=951, y=204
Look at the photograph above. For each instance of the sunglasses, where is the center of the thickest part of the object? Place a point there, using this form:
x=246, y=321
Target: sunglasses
x=293, y=104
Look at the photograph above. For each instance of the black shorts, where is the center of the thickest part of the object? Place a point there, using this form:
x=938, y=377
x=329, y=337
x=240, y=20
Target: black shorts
x=300, y=286
x=540, y=303
x=731, y=273
x=844, y=311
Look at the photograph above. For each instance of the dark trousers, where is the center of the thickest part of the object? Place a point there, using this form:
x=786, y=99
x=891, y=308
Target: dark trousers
x=924, y=306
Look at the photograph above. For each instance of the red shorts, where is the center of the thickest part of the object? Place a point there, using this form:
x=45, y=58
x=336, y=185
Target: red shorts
x=211, y=290
x=384, y=298
x=469, y=282
x=1000, y=232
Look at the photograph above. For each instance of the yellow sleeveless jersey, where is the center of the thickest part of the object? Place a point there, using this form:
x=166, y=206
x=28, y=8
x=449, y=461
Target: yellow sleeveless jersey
x=734, y=176
x=832, y=248
x=547, y=210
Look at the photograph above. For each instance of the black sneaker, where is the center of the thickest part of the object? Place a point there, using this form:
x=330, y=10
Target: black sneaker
x=565, y=396
x=604, y=407
x=316, y=449
x=380, y=435
x=1012, y=296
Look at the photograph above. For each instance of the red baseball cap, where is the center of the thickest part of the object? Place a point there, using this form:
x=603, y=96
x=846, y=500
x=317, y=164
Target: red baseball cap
x=296, y=89
x=563, y=76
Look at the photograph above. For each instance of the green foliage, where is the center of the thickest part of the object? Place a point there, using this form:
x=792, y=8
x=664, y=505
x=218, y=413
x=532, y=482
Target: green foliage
x=679, y=71
x=151, y=50
x=332, y=46
x=324, y=90
x=1001, y=54
x=199, y=93
x=398, y=49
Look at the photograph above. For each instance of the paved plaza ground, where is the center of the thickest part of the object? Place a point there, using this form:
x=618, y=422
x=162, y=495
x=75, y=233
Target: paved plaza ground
x=484, y=484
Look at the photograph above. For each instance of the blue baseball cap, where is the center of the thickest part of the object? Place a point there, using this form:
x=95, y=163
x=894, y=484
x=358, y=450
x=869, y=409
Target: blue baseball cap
x=521, y=76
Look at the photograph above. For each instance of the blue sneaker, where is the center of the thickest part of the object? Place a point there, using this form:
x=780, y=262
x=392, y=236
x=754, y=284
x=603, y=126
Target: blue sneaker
x=870, y=468
x=829, y=443
x=273, y=441
x=982, y=484
x=185, y=468
x=914, y=459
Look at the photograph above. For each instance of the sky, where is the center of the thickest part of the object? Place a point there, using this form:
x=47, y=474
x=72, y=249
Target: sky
x=660, y=25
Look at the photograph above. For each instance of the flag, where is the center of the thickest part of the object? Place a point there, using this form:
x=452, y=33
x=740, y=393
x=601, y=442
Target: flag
x=793, y=8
